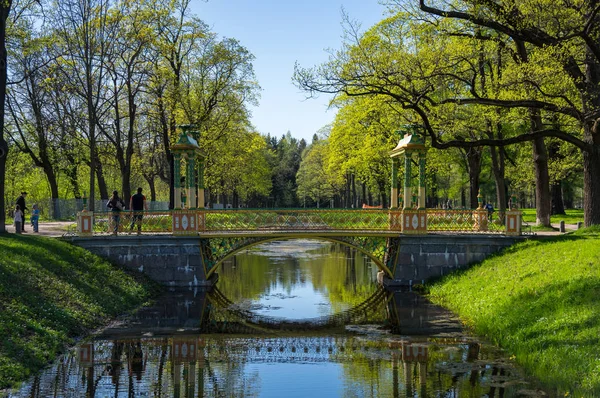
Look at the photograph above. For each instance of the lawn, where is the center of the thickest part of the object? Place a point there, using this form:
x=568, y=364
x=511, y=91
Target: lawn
x=539, y=301
x=52, y=293
x=572, y=217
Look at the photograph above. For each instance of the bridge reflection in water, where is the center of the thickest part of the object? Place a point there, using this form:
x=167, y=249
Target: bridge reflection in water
x=168, y=351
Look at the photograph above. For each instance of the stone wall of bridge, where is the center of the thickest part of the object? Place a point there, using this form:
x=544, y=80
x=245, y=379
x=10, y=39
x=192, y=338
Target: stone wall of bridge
x=422, y=258
x=171, y=261
x=178, y=262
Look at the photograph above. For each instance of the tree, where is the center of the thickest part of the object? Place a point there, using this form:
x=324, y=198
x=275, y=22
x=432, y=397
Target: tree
x=5, y=6
x=418, y=60
x=85, y=44
x=313, y=181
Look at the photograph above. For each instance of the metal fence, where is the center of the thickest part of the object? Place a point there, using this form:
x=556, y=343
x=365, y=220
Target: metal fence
x=66, y=209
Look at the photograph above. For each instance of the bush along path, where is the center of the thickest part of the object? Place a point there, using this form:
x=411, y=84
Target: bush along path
x=52, y=292
x=540, y=300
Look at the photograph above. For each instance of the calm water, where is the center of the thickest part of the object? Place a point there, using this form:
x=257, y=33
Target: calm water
x=294, y=318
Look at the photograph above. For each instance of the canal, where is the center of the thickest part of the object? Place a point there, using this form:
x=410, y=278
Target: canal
x=297, y=318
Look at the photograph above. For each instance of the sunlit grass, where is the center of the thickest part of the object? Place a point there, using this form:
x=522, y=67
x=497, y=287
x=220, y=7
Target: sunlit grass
x=573, y=216
x=50, y=293
x=539, y=300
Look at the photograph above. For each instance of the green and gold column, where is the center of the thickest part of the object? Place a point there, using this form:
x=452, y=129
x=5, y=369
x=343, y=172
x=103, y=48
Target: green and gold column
x=191, y=180
x=177, y=177
x=201, y=184
x=407, y=179
x=421, y=204
x=394, y=193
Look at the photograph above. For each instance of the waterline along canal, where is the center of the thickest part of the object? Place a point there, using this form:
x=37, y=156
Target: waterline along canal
x=290, y=318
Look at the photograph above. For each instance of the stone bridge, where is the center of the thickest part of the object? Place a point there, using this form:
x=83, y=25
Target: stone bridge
x=186, y=261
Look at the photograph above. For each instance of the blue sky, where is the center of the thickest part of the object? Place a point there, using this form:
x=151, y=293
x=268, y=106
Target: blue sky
x=279, y=33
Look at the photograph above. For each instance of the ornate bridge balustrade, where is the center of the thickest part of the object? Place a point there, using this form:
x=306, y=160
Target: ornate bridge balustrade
x=273, y=221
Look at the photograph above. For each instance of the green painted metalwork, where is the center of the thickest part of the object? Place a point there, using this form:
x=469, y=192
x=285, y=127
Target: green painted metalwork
x=407, y=169
x=177, y=170
x=460, y=221
x=297, y=220
x=422, y=169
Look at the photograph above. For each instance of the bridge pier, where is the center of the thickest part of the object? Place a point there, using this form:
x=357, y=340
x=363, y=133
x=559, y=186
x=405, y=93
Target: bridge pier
x=169, y=260
x=418, y=259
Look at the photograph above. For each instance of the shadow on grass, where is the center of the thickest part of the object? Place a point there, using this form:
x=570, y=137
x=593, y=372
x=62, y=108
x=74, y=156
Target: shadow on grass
x=51, y=292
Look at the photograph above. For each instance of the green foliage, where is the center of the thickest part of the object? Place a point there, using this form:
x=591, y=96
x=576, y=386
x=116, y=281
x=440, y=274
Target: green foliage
x=538, y=300
x=50, y=293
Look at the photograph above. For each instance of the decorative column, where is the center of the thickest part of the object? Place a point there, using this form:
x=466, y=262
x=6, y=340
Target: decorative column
x=421, y=204
x=407, y=179
x=201, y=184
x=481, y=216
x=177, y=177
x=513, y=219
x=413, y=217
x=191, y=181
x=186, y=221
x=394, y=194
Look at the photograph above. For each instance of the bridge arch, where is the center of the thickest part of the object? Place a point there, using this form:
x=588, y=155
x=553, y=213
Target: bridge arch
x=222, y=249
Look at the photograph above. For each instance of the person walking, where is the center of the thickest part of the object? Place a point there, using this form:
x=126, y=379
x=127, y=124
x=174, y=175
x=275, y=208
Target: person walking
x=18, y=217
x=21, y=203
x=35, y=218
x=137, y=205
x=116, y=204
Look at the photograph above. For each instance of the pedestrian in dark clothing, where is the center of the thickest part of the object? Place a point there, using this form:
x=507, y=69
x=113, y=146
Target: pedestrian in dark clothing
x=116, y=204
x=137, y=205
x=21, y=203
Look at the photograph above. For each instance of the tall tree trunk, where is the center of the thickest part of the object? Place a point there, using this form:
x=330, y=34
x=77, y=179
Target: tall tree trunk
x=474, y=163
x=591, y=173
x=364, y=194
x=542, y=178
x=102, y=187
x=354, y=198
x=152, y=185
x=558, y=206
x=4, y=11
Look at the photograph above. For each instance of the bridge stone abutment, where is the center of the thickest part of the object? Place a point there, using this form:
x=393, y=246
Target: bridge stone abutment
x=421, y=258
x=169, y=260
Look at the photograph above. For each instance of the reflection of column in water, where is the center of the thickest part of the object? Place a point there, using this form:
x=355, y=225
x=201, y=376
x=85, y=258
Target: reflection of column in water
x=395, y=358
x=176, y=379
x=90, y=392
x=473, y=355
x=201, y=365
x=408, y=377
x=423, y=378
x=189, y=372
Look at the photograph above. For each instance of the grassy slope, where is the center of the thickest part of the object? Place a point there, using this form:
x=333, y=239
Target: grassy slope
x=50, y=293
x=541, y=301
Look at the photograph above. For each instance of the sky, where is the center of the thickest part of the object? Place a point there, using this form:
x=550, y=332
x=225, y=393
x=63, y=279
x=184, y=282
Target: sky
x=280, y=33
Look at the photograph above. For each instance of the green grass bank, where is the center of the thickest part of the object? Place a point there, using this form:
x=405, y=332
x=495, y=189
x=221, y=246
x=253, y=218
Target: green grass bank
x=52, y=292
x=540, y=300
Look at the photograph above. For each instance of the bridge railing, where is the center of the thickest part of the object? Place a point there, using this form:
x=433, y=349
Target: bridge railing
x=194, y=221
x=256, y=220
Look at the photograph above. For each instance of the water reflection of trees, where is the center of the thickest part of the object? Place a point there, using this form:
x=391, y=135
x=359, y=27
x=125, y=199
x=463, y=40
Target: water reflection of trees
x=341, y=273
x=221, y=366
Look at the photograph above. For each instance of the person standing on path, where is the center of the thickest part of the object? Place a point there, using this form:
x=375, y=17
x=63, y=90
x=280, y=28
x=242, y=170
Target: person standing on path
x=116, y=204
x=137, y=205
x=21, y=203
x=18, y=219
x=35, y=218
